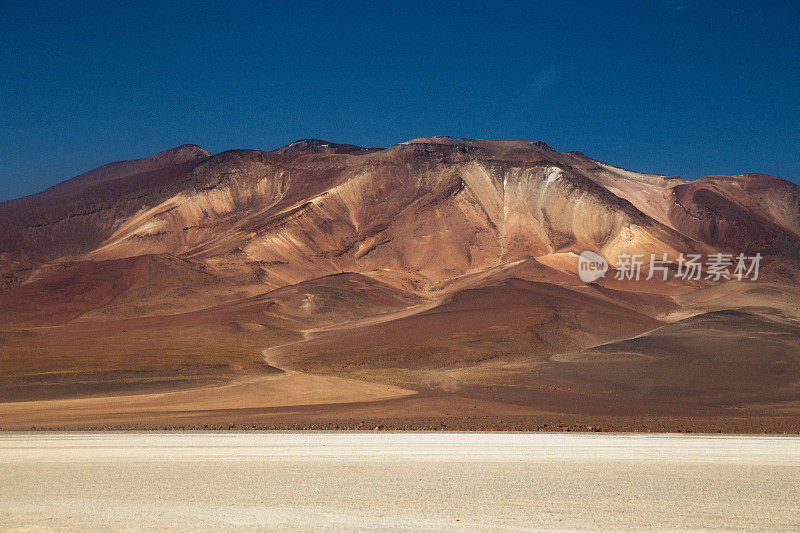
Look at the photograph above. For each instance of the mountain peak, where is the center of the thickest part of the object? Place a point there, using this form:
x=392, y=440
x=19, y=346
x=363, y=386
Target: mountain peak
x=182, y=153
x=319, y=146
x=484, y=143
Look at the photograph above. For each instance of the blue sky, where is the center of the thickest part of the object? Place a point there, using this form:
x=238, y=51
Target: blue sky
x=676, y=87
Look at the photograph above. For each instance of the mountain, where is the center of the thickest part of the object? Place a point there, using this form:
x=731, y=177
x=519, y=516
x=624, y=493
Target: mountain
x=442, y=269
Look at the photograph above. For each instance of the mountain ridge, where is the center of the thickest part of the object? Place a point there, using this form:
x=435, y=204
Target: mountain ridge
x=532, y=198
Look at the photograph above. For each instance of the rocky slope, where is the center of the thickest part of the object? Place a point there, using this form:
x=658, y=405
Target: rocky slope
x=431, y=209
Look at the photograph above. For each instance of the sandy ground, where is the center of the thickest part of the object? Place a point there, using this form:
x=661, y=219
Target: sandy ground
x=283, y=390
x=395, y=481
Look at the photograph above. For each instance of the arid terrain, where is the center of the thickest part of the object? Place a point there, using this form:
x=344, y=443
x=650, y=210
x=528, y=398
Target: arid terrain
x=388, y=481
x=429, y=285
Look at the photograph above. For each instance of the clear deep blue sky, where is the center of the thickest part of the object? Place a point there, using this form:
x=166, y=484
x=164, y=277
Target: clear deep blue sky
x=678, y=87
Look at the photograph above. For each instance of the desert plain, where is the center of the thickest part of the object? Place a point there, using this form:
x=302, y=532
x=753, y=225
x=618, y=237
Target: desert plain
x=388, y=481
